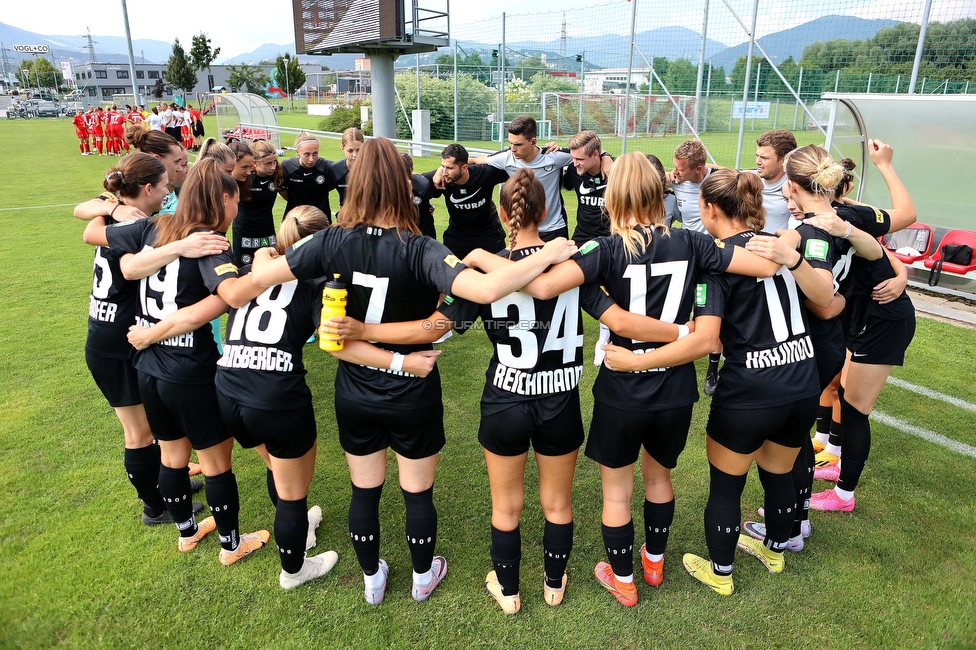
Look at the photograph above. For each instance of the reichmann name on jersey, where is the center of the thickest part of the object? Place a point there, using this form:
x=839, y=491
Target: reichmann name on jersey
x=256, y=358
x=544, y=382
x=180, y=341
x=781, y=355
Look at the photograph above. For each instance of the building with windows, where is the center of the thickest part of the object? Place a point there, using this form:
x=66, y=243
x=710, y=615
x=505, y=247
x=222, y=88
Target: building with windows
x=99, y=82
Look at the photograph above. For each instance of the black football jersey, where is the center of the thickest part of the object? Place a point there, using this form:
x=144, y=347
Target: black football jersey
x=538, y=343
x=255, y=218
x=470, y=206
x=391, y=277
x=261, y=366
x=865, y=274
x=819, y=251
x=340, y=174
x=423, y=192
x=591, y=215
x=769, y=357
x=188, y=358
x=113, y=304
x=659, y=283
x=308, y=186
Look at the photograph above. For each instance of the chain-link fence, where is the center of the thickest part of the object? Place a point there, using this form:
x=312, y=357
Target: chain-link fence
x=575, y=69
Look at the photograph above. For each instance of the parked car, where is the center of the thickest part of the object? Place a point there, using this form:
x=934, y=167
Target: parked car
x=44, y=108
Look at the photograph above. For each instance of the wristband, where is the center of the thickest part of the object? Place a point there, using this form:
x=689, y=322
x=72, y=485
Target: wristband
x=850, y=231
x=683, y=331
x=397, y=364
x=797, y=265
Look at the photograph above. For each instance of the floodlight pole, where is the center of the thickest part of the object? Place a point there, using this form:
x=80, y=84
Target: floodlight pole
x=745, y=85
x=701, y=66
x=630, y=71
x=455, y=91
x=137, y=98
x=582, y=80
x=501, y=82
x=920, y=47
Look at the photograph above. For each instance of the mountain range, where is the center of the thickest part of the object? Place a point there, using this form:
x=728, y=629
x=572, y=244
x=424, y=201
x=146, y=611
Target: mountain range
x=608, y=50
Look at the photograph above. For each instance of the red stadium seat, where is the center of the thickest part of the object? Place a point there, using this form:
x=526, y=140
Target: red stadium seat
x=967, y=237
x=917, y=236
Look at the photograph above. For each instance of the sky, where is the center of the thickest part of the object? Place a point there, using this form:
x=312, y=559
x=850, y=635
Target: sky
x=244, y=25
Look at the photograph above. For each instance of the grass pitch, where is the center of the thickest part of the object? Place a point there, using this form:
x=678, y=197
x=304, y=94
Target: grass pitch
x=78, y=568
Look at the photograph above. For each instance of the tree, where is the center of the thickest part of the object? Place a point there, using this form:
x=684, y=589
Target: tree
x=475, y=102
x=179, y=71
x=158, y=89
x=46, y=74
x=288, y=73
x=248, y=78
x=544, y=83
x=201, y=54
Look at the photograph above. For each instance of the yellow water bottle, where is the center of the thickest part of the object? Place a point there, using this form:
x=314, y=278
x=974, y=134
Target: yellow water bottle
x=333, y=306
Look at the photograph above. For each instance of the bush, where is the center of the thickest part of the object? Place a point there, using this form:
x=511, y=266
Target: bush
x=341, y=119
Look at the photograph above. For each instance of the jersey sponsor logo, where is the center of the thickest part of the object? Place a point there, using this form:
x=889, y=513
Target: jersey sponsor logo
x=306, y=173
x=258, y=242
x=720, y=243
x=878, y=216
x=300, y=242
x=816, y=250
x=452, y=261
x=101, y=310
x=593, y=201
x=464, y=196
x=781, y=355
x=448, y=300
x=585, y=189
x=256, y=358
x=225, y=268
x=320, y=179
x=544, y=382
x=589, y=247
x=701, y=294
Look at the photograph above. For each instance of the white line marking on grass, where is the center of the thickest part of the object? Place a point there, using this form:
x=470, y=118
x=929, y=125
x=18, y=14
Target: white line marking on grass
x=925, y=434
x=921, y=390
x=38, y=207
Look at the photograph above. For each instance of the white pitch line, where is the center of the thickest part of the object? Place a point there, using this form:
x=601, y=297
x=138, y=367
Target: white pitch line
x=925, y=434
x=38, y=207
x=921, y=390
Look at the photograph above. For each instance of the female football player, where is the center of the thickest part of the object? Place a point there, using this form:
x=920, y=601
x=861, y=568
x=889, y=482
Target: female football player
x=308, y=178
x=394, y=275
x=352, y=142
x=254, y=224
x=176, y=376
x=766, y=398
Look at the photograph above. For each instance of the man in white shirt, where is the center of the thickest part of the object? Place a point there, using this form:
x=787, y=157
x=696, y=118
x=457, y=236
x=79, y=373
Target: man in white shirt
x=548, y=168
x=686, y=179
x=771, y=149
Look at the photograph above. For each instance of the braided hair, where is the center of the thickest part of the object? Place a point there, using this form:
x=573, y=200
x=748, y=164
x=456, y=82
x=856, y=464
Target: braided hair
x=523, y=199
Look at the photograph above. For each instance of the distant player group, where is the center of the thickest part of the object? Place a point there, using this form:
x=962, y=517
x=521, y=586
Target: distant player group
x=101, y=131
x=774, y=269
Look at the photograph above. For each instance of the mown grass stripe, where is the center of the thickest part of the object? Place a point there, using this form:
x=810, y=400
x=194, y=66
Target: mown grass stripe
x=934, y=394
x=925, y=434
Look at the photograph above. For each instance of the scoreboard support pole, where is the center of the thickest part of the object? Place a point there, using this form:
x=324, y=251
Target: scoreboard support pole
x=384, y=99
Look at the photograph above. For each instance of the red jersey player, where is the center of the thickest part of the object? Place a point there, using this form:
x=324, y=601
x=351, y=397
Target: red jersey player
x=81, y=130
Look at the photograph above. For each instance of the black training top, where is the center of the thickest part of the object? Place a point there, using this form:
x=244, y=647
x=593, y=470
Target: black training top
x=659, y=283
x=769, y=358
x=591, y=215
x=392, y=277
x=255, y=218
x=113, y=304
x=189, y=358
x=470, y=206
x=538, y=343
x=308, y=186
x=262, y=362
